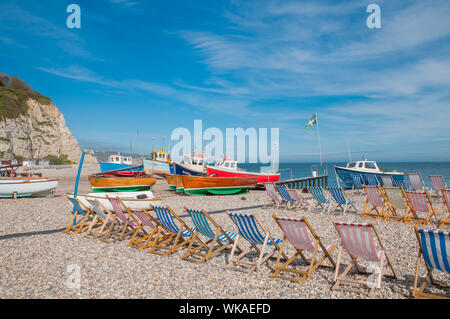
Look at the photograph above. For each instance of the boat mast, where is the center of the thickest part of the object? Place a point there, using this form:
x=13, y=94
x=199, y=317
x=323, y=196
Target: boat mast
x=348, y=149
x=318, y=138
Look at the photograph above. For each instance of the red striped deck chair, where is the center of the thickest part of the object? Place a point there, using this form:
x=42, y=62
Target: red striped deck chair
x=375, y=200
x=278, y=201
x=396, y=203
x=437, y=183
x=445, y=220
x=297, y=232
x=149, y=231
x=299, y=202
x=125, y=223
x=434, y=250
x=419, y=202
x=359, y=241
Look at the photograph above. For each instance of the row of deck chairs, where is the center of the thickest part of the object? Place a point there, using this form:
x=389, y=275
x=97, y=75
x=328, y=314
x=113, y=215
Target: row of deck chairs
x=396, y=203
x=415, y=180
x=165, y=232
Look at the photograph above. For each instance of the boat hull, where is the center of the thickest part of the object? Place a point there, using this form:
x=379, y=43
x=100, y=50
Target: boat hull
x=181, y=169
x=170, y=178
x=179, y=187
x=346, y=181
x=26, y=187
x=223, y=172
x=121, y=184
x=155, y=167
x=129, y=199
x=206, y=185
x=105, y=167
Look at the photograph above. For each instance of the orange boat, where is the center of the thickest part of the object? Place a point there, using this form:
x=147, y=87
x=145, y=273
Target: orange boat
x=179, y=183
x=204, y=185
x=171, y=181
x=101, y=183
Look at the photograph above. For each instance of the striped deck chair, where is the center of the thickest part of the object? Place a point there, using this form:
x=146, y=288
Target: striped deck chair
x=416, y=182
x=358, y=182
x=274, y=195
x=297, y=198
x=105, y=216
x=387, y=180
x=250, y=229
x=340, y=200
x=220, y=238
x=125, y=224
x=419, y=202
x=319, y=198
x=81, y=210
x=179, y=235
x=290, y=202
x=399, y=183
x=395, y=200
x=149, y=231
x=434, y=247
x=359, y=241
x=372, y=180
x=445, y=220
x=376, y=200
x=296, y=232
x=437, y=183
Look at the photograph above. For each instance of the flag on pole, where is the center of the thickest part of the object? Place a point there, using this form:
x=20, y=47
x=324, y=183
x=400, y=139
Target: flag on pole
x=311, y=122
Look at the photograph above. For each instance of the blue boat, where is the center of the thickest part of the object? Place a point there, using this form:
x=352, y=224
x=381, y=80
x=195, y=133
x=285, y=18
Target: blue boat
x=117, y=161
x=181, y=169
x=368, y=170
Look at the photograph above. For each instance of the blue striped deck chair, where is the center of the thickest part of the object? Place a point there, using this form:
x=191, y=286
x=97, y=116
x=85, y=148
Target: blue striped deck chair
x=319, y=198
x=290, y=202
x=202, y=222
x=357, y=181
x=387, y=180
x=180, y=236
x=340, y=200
x=399, y=183
x=372, y=180
x=250, y=229
x=81, y=210
x=434, y=248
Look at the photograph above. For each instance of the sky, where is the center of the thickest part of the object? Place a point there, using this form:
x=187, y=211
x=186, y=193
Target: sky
x=156, y=65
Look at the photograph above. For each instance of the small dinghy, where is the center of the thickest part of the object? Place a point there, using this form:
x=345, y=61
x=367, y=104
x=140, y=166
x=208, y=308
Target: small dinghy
x=26, y=187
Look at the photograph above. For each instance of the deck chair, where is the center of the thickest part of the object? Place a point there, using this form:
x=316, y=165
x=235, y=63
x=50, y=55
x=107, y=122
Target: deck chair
x=81, y=210
x=357, y=181
x=399, y=183
x=359, y=241
x=434, y=247
x=372, y=180
x=296, y=232
x=437, y=183
x=125, y=223
x=416, y=182
x=394, y=198
x=387, y=180
x=179, y=235
x=445, y=220
x=419, y=202
x=376, y=200
x=286, y=196
x=216, y=242
x=319, y=198
x=149, y=231
x=298, y=200
x=106, y=217
x=274, y=195
x=340, y=200
x=250, y=229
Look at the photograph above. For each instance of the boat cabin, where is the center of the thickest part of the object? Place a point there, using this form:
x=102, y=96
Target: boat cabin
x=119, y=159
x=227, y=163
x=160, y=156
x=196, y=159
x=364, y=165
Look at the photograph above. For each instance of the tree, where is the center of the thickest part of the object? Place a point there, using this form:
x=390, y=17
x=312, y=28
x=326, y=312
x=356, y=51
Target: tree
x=4, y=79
x=16, y=83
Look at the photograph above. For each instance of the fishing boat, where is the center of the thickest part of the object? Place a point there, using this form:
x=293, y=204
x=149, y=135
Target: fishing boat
x=117, y=161
x=170, y=178
x=179, y=187
x=208, y=185
x=26, y=187
x=158, y=164
x=191, y=165
x=101, y=183
x=229, y=168
x=132, y=200
x=364, y=168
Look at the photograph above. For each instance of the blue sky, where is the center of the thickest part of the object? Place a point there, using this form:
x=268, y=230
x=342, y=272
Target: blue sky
x=157, y=65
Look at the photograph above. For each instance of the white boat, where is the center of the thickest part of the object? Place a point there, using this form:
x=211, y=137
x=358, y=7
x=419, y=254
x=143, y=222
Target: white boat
x=26, y=187
x=133, y=200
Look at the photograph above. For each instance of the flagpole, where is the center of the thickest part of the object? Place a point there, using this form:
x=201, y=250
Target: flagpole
x=318, y=138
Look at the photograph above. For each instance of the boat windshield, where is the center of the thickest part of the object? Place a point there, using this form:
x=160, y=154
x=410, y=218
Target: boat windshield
x=351, y=165
x=370, y=165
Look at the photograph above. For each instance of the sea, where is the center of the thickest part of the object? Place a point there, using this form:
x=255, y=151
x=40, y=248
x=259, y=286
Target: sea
x=300, y=170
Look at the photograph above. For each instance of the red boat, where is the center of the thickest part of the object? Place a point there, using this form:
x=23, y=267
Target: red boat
x=228, y=168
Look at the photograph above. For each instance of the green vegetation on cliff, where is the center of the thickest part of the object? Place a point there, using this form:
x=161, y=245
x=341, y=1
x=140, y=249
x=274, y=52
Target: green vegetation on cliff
x=14, y=94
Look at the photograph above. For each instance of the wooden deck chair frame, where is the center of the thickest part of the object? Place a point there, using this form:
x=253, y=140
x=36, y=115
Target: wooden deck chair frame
x=445, y=220
x=317, y=257
x=391, y=211
x=236, y=263
x=411, y=213
x=419, y=292
x=340, y=278
x=210, y=244
x=380, y=212
x=173, y=241
x=107, y=218
x=83, y=224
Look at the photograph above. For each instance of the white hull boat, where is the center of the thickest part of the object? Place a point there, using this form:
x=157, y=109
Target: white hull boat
x=26, y=187
x=133, y=200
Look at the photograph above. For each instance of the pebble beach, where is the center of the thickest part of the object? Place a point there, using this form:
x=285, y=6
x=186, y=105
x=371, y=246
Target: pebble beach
x=36, y=259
